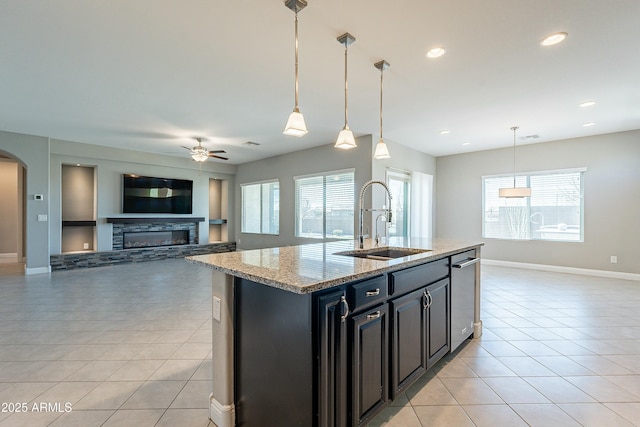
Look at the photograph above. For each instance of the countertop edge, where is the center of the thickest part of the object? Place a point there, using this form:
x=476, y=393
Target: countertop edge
x=384, y=267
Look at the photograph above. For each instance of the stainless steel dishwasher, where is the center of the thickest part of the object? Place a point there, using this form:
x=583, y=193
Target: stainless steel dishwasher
x=463, y=282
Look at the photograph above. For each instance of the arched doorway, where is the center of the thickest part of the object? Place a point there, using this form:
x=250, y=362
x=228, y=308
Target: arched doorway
x=12, y=215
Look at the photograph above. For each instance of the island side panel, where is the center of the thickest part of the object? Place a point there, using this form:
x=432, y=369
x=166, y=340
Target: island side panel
x=221, y=410
x=274, y=362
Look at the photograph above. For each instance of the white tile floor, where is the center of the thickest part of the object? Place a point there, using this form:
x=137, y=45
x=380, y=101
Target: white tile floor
x=130, y=346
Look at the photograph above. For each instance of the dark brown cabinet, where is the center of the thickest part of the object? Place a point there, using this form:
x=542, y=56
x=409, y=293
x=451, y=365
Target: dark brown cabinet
x=409, y=340
x=438, y=323
x=369, y=363
x=336, y=357
x=332, y=359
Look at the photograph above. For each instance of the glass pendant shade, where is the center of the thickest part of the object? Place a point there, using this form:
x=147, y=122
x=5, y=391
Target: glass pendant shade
x=295, y=125
x=515, y=192
x=382, y=152
x=345, y=139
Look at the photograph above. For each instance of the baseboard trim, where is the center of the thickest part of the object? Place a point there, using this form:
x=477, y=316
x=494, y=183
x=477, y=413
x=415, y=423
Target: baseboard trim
x=8, y=257
x=38, y=270
x=560, y=269
x=222, y=415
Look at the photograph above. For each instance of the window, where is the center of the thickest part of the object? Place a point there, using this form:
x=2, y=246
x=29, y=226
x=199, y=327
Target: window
x=553, y=212
x=325, y=205
x=261, y=207
x=400, y=186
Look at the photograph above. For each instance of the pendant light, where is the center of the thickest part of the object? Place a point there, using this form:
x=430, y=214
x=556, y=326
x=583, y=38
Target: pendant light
x=381, y=152
x=296, y=125
x=345, y=137
x=514, y=192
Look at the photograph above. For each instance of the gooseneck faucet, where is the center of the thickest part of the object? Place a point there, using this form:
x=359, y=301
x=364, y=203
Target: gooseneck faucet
x=388, y=210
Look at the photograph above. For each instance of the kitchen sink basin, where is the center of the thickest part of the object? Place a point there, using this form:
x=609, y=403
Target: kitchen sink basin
x=383, y=254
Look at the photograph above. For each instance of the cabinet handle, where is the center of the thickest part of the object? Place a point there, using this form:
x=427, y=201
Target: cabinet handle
x=344, y=302
x=373, y=293
x=467, y=263
x=428, y=299
x=374, y=315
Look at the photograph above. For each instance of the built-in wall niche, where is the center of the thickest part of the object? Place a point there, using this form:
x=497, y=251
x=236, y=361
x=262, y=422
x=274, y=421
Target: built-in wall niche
x=78, y=190
x=218, y=210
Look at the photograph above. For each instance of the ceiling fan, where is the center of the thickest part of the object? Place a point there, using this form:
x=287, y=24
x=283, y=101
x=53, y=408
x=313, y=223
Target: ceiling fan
x=201, y=154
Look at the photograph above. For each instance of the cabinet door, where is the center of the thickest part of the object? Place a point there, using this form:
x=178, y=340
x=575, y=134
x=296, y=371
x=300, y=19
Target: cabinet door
x=438, y=326
x=332, y=359
x=408, y=340
x=369, y=365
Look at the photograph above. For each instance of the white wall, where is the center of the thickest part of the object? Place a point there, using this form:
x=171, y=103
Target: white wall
x=611, y=200
x=110, y=164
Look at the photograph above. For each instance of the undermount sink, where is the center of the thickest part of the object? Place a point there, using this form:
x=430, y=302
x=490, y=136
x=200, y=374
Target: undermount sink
x=383, y=254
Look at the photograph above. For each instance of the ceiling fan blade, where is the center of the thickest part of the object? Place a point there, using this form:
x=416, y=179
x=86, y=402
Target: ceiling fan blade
x=216, y=151
x=218, y=157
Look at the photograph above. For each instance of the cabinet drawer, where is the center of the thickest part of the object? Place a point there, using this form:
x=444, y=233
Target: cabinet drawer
x=407, y=280
x=365, y=294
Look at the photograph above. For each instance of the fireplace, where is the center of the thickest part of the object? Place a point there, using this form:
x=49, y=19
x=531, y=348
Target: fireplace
x=148, y=239
x=138, y=232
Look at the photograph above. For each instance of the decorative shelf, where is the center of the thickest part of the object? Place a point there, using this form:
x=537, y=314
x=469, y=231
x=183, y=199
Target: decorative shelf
x=135, y=220
x=90, y=223
x=217, y=221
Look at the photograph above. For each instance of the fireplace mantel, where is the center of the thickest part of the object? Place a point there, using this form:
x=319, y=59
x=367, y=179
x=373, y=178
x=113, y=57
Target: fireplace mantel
x=138, y=219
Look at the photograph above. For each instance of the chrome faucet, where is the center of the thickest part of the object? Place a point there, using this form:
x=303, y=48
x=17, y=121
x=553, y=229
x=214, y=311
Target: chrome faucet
x=361, y=218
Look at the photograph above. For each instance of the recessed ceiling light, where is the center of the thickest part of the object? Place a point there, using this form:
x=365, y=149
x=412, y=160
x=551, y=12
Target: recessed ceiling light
x=588, y=124
x=466, y=143
x=436, y=52
x=554, y=38
x=588, y=104
x=444, y=131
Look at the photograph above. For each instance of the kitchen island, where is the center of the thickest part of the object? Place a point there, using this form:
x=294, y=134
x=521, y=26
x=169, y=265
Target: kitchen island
x=327, y=334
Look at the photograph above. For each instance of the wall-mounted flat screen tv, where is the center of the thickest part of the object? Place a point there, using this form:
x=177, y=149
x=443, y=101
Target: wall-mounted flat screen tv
x=145, y=194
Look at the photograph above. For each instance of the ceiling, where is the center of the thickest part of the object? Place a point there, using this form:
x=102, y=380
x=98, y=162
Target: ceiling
x=151, y=75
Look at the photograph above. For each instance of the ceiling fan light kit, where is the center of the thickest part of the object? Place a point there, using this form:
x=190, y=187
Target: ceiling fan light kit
x=200, y=154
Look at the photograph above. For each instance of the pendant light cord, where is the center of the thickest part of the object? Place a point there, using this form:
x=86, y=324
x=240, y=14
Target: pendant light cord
x=346, y=92
x=381, y=90
x=296, y=83
x=514, y=154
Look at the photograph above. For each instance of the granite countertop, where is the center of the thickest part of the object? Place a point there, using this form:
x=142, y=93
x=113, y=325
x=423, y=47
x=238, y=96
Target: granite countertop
x=312, y=267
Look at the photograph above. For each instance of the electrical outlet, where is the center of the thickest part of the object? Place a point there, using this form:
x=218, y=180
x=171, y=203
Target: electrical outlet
x=217, y=303
x=614, y=259
x=42, y=217
x=85, y=246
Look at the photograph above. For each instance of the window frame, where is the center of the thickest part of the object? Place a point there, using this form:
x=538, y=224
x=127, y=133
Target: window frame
x=272, y=207
x=527, y=182
x=324, y=176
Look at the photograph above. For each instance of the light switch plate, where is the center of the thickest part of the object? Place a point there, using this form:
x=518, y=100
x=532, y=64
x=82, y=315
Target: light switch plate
x=217, y=303
x=42, y=217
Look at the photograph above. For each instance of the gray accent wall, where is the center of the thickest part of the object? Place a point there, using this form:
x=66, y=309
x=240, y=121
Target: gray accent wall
x=611, y=200
x=110, y=164
x=318, y=160
x=32, y=152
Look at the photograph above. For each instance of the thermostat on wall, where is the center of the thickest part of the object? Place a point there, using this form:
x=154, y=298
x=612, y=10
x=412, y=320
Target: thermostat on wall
x=38, y=197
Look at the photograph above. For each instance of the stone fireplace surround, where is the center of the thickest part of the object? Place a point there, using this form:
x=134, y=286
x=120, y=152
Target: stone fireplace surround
x=152, y=224
x=119, y=255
